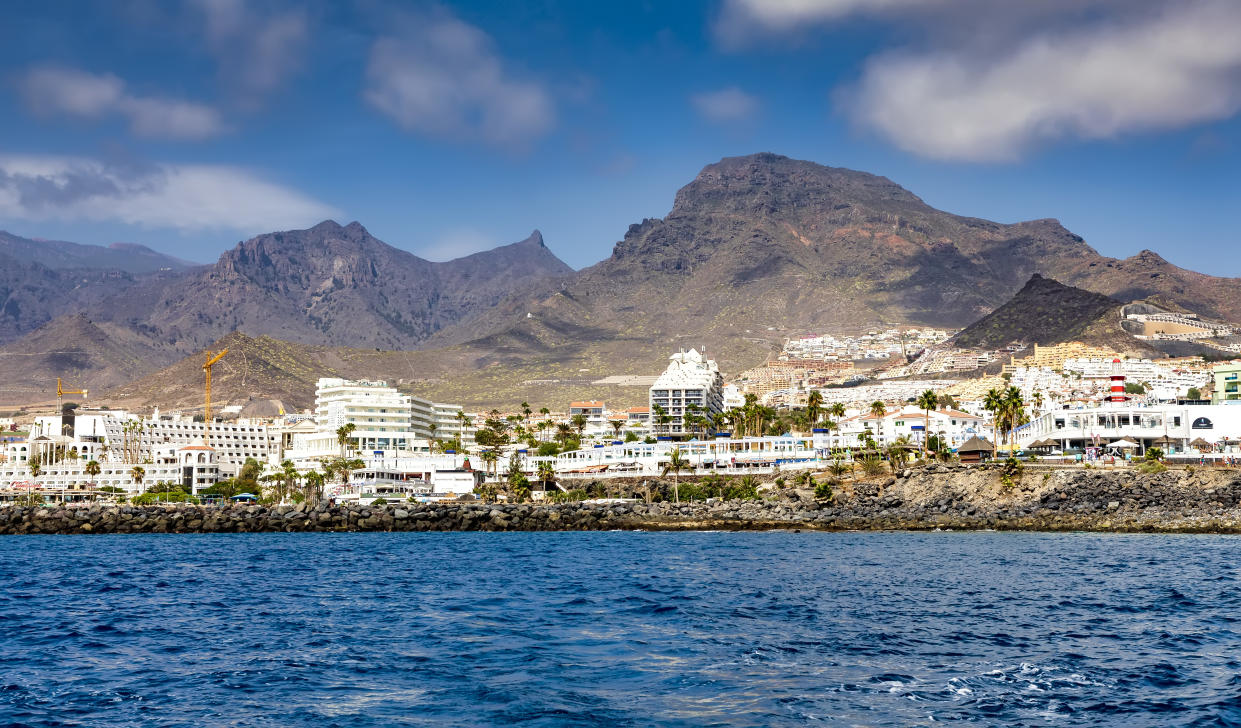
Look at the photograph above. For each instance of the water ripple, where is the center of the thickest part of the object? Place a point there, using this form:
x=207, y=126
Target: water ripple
x=619, y=629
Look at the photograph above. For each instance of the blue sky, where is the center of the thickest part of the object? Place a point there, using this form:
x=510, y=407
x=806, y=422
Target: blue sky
x=447, y=128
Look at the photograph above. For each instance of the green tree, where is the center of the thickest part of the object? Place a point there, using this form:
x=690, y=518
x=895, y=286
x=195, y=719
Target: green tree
x=662, y=418
x=1193, y=393
x=343, y=434
x=814, y=405
x=137, y=473
x=579, y=424
x=92, y=468
x=1014, y=415
x=927, y=401
x=994, y=402
x=563, y=433
x=676, y=463
x=547, y=473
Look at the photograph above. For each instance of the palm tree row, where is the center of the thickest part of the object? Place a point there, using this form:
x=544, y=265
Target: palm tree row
x=1008, y=411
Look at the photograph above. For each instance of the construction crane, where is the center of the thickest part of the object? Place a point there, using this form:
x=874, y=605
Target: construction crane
x=211, y=360
x=61, y=392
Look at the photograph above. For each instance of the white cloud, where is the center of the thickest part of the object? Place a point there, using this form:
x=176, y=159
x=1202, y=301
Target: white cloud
x=726, y=105
x=180, y=196
x=257, y=49
x=740, y=20
x=1163, y=71
x=457, y=243
x=95, y=96
x=441, y=77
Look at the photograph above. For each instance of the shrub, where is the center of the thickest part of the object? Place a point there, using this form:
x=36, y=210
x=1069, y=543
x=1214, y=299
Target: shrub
x=823, y=491
x=872, y=464
x=1010, y=473
x=1151, y=467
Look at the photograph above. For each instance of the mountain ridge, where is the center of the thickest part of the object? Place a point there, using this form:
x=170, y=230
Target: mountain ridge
x=755, y=249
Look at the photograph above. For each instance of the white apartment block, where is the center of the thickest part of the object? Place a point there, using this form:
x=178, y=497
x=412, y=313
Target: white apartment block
x=690, y=379
x=383, y=418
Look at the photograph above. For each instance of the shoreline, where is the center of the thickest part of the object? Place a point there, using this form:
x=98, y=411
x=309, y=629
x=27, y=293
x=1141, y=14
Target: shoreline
x=943, y=497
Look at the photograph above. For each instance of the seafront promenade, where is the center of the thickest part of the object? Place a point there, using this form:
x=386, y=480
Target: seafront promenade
x=934, y=497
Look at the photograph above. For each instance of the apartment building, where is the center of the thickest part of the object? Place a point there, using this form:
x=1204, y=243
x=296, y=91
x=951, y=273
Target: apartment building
x=691, y=380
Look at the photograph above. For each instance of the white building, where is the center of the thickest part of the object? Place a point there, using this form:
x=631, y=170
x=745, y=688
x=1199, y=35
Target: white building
x=691, y=379
x=385, y=419
x=952, y=426
x=1170, y=427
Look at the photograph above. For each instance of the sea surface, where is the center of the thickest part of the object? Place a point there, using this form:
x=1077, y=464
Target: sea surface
x=620, y=629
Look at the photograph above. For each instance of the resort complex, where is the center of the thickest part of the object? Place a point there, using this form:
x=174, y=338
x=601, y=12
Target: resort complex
x=366, y=440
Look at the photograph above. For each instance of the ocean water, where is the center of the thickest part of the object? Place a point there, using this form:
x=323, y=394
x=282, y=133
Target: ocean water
x=620, y=629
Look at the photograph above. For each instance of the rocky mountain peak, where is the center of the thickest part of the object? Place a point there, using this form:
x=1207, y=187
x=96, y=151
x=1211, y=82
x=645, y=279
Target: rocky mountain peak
x=768, y=183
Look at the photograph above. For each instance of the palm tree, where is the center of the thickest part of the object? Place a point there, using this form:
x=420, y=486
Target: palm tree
x=288, y=477
x=617, y=425
x=1014, y=415
x=814, y=403
x=490, y=458
x=342, y=436
x=676, y=463
x=563, y=433
x=35, y=469
x=547, y=473
x=314, y=486
x=878, y=410
x=92, y=468
x=993, y=402
x=579, y=424
x=927, y=401
x=662, y=418
x=137, y=474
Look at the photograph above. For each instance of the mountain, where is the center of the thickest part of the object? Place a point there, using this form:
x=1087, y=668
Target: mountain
x=762, y=247
x=259, y=368
x=61, y=255
x=1048, y=312
x=43, y=279
x=755, y=249
x=255, y=367
x=332, y=285
x=86, y=354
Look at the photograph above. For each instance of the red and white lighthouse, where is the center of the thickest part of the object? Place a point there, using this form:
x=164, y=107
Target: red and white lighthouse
x=1118, y=383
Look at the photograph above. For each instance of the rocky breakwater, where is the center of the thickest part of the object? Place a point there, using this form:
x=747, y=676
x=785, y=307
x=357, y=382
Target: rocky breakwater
x=933, y=497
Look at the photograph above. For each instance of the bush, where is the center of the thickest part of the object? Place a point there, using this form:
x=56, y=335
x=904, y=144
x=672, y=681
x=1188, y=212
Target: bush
x=823, y=491
x=1151, y=467
x=872, y=464
x=1010, y=473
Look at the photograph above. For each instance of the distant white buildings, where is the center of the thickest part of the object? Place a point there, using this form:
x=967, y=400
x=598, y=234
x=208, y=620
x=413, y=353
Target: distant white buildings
x=691, y=383
x=383, y=418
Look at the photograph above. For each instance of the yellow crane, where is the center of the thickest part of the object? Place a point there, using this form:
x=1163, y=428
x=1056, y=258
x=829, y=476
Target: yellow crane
x=211, y=360
x=61, y=392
